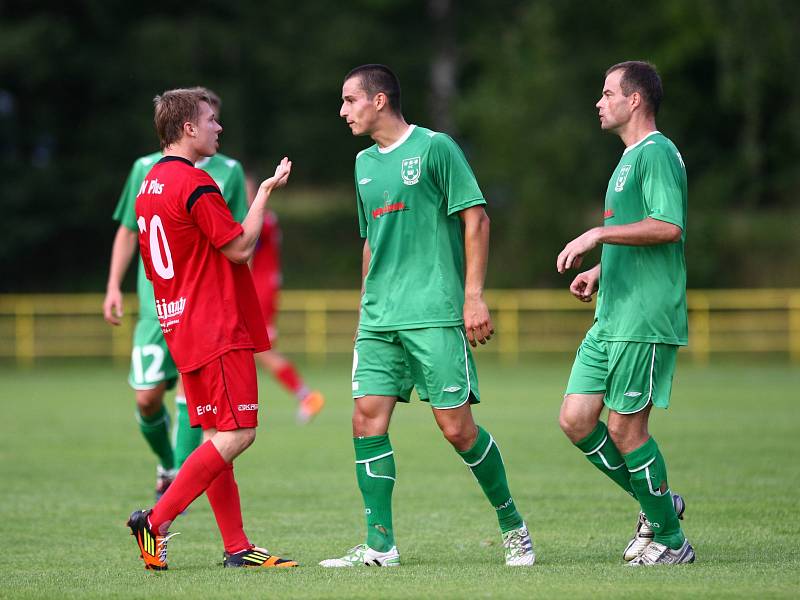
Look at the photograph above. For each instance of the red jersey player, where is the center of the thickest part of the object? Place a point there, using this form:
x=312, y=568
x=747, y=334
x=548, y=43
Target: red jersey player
x=266, y=269
x=195, y=254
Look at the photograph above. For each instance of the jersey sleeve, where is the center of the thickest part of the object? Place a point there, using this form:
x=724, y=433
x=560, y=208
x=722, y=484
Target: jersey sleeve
x=662, y=179
x=207, y=208
x=362, y=217
x=236, y=193
x=453, y=175
x=125, y=212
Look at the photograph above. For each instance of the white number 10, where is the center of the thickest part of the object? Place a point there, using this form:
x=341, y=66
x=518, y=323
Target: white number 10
x=158, y=241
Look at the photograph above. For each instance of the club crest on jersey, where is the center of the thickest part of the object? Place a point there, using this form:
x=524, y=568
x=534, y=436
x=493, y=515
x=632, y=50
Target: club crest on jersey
x=623, y=177
x=411, y=170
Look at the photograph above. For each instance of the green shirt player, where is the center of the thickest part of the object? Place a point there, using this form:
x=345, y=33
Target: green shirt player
x=627, y=359
x=424, y=262
x=152, y=370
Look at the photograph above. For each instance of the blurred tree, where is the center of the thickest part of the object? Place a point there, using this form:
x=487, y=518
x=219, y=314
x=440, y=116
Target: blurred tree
x=515, y=81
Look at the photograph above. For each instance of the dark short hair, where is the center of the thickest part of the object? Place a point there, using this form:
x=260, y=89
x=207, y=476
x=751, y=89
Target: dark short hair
x=379, y=78
x=640, y=76
x=173, y=108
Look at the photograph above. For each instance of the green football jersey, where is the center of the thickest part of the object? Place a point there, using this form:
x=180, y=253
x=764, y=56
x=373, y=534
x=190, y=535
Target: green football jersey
x=227, y=174
x=408, y=197
x=642, y=296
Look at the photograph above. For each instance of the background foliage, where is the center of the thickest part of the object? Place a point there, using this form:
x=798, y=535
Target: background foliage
x=515, y=82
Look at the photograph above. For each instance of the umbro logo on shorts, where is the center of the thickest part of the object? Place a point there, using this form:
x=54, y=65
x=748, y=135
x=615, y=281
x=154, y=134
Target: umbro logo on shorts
x=632, y=394
x=452, y=388
x=364, y=181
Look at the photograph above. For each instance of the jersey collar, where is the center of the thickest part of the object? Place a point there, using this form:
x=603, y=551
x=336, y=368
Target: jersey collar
x=167, y=159
x=632, y=146
x=399, y=142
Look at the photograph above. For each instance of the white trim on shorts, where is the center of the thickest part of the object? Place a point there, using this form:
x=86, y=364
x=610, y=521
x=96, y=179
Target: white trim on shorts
x=145, y=386
x=650, y=393
x=469, y=383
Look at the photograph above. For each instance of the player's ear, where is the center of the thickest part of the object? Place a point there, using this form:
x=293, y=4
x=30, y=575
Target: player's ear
x=189, y=129
x=379, y=100
x=635, y=100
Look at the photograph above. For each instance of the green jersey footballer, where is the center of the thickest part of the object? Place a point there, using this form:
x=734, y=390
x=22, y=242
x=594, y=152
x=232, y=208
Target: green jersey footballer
x=152, y=370
x=426, y=233
x=627, y=359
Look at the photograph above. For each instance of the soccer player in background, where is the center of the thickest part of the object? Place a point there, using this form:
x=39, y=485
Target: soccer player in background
x=152, y=370
x=423, y=265
x=627, y=359
x=266, y=269
x=195, y=254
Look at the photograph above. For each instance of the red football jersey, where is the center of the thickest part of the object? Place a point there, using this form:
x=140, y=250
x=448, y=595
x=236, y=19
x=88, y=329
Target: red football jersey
x=206, y=304
x=266, y=266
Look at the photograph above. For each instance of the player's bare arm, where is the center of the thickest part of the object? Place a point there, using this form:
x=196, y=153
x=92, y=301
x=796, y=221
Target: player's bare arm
x=647, y=232
x=240, y=250
x=477, y=321
x=122, y=251
x=584, y=285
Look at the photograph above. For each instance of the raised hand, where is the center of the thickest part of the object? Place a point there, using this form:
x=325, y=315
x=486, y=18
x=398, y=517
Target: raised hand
x=281, y=176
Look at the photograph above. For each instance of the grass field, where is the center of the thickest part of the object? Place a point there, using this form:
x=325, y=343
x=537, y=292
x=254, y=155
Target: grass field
x=74, y=466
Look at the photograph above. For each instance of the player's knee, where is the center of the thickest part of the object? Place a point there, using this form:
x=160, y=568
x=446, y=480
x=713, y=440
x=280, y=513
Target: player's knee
x=366, y=424
x=618, y=433
x=246, y=437
x=461, y=438
x=573, y=424
x=149, y=402
x=359, y=422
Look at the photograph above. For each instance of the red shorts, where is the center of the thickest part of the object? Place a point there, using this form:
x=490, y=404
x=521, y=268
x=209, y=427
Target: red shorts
x=223, y=394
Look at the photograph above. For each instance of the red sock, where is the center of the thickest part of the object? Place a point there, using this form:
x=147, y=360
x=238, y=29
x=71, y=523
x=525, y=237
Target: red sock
x=196, y=474
x=290, y=379
x=223, y=496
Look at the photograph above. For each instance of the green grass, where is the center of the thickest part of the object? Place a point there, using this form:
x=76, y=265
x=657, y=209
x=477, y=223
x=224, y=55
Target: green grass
x=74, y=466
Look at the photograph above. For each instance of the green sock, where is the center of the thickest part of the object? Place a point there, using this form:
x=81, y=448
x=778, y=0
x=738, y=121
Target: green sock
x=649, y=481
x=487, y=465
x=376, y=474
x=186, y=438
x=603, y=454
x=155, y=430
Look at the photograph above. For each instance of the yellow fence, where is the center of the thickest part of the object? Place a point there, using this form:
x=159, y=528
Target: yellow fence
x=321, y=323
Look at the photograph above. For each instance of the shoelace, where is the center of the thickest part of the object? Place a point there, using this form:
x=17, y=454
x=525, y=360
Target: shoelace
x=514, y=543
x=356, y=553
x=652, y=553
x=161, y=547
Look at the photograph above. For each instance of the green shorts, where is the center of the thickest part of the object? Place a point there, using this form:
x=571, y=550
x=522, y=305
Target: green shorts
x=151, y=362
x=630, y=374
x=435, y=360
